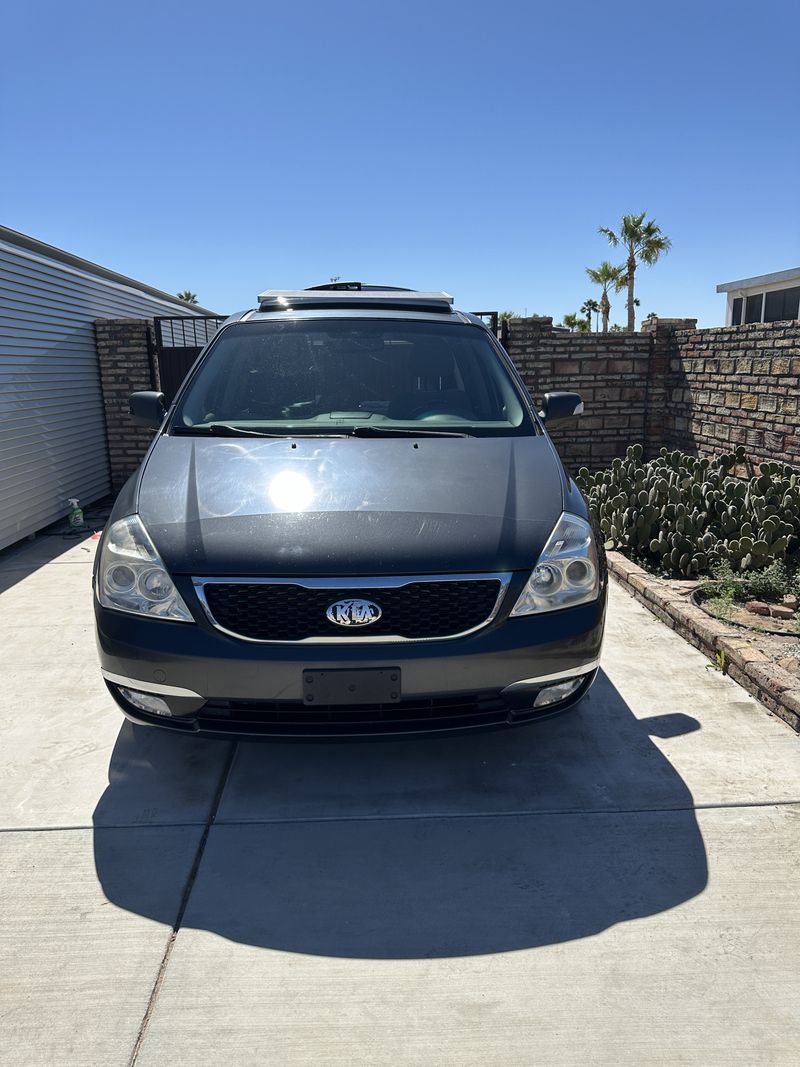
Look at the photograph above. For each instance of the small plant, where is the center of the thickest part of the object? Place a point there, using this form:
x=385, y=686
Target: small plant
x=727, y=585
x=720, y=593
x=728, y=593
x=772, y=583
x=718, y=663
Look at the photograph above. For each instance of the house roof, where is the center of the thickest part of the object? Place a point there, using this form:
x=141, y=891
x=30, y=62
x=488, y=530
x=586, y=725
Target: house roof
x=22, y=240
x=761, y=279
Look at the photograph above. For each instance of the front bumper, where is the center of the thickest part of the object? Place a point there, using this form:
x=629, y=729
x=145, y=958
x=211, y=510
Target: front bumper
x=216, y=685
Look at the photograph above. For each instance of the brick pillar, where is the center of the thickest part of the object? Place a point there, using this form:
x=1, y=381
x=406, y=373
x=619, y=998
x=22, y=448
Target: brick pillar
x=661, y=379
x=524, y=345
x=127, y=363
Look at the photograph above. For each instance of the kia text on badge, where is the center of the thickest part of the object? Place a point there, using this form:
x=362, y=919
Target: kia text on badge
x=353, y=612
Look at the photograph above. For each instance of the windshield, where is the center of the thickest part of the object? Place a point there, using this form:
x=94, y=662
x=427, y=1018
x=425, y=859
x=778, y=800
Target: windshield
x=329, y=376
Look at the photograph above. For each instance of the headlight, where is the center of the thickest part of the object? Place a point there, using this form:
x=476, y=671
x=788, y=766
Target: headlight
x=566, y=573
x=131, y=576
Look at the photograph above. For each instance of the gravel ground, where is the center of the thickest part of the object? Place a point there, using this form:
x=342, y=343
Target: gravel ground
x=783, y=649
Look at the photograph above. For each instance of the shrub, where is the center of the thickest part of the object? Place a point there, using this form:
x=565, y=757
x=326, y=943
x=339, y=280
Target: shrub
x=772, y=583
x=688, y=515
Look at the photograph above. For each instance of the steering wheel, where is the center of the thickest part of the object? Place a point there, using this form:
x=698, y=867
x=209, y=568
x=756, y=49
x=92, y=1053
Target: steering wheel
x=259, y=410
x=423, y=412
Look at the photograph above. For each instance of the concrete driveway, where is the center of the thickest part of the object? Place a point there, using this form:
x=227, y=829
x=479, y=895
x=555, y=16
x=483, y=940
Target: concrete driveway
x=620, y=885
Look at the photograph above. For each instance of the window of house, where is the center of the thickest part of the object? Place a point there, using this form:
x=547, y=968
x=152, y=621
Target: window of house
x=736, y=316
x=752, y=311
x=782, y=304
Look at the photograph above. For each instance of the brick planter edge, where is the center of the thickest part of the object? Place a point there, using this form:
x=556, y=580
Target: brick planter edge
x=774, y=687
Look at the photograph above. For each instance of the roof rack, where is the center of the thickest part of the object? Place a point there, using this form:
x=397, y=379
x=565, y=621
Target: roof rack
x=364, y=297
x=359, y=287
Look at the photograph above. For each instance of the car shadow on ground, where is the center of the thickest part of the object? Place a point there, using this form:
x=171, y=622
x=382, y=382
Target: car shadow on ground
x=510, y=840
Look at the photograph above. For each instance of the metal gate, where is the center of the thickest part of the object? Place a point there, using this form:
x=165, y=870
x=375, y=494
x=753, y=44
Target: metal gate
x=498, y=326
x=179, y=341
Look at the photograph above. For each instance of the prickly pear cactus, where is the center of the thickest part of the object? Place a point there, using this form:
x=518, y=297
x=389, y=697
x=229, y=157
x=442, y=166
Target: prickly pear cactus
x=687, y=513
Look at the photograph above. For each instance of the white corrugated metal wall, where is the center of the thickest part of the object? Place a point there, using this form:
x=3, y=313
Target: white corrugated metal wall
x=52, y=427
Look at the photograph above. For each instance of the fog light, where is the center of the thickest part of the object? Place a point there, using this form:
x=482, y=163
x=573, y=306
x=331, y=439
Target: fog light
x=146, y=701
x=552, y=694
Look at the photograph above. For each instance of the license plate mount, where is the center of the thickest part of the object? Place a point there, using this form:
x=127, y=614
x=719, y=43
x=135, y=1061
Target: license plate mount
x=352, y=687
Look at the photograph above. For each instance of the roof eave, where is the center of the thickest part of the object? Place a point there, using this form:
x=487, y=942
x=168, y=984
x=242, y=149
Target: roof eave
x=41, y=248
x=760, y=279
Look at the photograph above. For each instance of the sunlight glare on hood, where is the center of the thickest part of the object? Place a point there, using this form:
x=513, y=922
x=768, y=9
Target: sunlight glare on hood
x=291, y=491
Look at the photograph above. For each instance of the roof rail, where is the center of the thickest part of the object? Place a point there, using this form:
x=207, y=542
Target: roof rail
x=360, y=287
x=402, y=299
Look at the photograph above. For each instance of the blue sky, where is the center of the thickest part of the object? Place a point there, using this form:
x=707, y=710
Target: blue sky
x=474, y=147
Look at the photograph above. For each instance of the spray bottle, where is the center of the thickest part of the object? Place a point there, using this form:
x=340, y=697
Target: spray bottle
x=75, y=517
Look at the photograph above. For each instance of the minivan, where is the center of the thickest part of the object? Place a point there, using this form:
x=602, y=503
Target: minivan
x=351, y=521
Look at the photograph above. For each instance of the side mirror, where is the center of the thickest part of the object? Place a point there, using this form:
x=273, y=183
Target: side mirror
x=147, y=408
x=556, y=407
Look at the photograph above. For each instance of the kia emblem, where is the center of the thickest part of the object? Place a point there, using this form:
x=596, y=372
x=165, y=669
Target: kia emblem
x=353, y=613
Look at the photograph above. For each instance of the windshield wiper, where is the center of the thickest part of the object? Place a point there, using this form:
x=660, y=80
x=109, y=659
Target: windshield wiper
x=224, y=429
x=400, y=431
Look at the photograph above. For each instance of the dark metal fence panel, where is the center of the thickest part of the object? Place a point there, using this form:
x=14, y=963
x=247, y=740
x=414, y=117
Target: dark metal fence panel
x=498, y=326
x=179, y=341
x=491, y=318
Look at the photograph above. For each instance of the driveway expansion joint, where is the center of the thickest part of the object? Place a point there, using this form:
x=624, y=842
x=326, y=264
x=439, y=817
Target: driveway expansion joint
x=54, y=828
x=405, y=816
x=187, y=892
x=511, y=814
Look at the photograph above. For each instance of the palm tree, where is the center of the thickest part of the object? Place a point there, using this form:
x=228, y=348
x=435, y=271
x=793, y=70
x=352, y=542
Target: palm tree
x=587, y=308
x=645, y=243
x=573, y=322
x=188, y=296
x=607, y=277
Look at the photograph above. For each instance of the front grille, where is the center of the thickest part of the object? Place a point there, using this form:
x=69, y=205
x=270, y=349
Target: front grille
x=271, y=718
x=263, y=611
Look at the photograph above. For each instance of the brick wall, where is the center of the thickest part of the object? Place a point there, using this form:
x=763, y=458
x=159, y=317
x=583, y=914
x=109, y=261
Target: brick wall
x=698, y=390
x=703, y=391
x=735, y=385
x=125, y=354
x=611, y=372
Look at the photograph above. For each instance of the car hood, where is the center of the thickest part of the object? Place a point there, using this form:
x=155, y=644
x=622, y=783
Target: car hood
x=350, y=506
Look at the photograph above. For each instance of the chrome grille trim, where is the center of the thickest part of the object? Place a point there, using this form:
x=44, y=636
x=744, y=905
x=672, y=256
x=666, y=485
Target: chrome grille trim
x=392, y=582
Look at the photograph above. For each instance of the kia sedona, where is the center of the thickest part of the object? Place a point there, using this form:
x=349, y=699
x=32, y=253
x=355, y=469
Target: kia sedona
x=351, y=521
